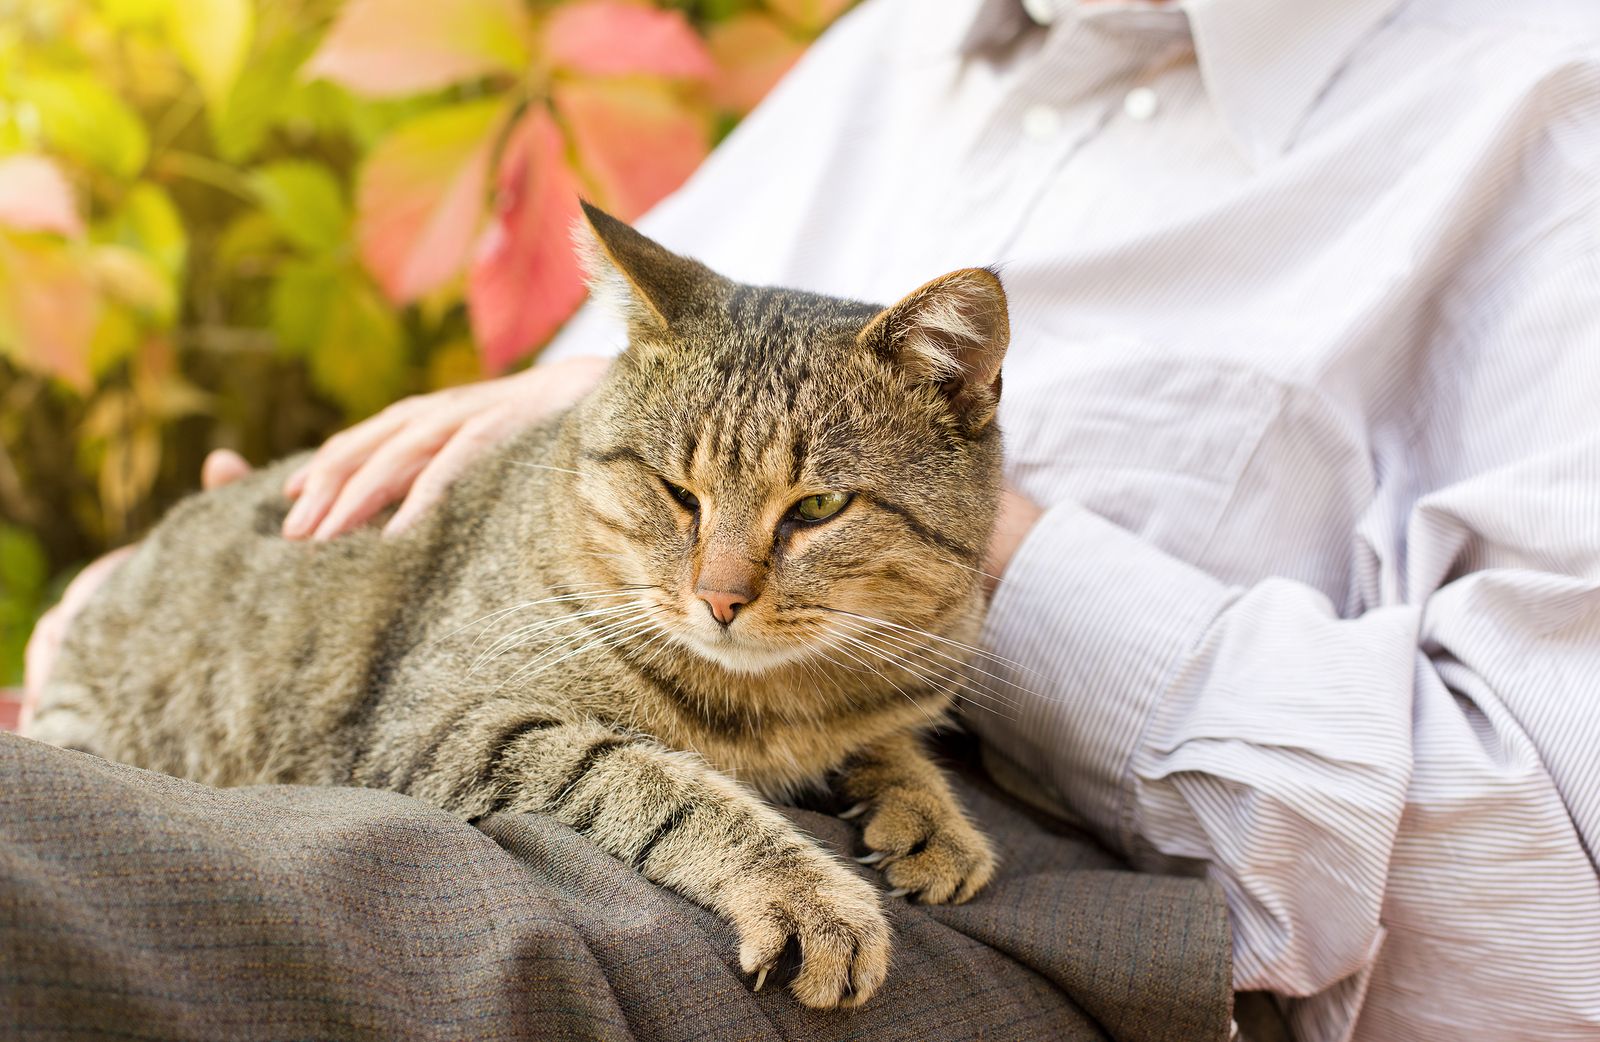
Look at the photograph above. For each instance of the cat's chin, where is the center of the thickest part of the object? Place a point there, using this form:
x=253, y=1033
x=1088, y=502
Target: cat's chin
x=742, y=656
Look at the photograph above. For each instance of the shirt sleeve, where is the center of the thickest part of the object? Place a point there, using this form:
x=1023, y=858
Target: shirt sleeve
x=1252, y=732
x=1436, y=751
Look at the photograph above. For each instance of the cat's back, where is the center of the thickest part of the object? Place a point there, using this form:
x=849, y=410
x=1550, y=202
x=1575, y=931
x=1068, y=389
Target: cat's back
x=211, y=634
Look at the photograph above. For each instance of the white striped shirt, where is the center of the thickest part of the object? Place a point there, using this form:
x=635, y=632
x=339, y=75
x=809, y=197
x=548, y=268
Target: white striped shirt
x=1306, y=371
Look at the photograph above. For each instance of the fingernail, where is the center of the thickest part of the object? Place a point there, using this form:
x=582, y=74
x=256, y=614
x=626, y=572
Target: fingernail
x=294, y=525
x=899, y=891
x=872, y=858
x=855, y=811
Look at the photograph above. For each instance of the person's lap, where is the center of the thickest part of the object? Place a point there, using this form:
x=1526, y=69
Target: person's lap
x=149, y=906
x=145, y=905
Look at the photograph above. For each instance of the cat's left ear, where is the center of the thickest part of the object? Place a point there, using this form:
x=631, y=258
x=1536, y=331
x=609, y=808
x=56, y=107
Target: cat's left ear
x=952, y=331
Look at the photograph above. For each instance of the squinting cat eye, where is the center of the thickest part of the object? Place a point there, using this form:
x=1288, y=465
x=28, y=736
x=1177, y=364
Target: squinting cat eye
x=821, y=506
x=682, y=495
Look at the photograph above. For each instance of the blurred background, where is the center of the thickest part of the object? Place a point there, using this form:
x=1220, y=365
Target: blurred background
x=248, y=223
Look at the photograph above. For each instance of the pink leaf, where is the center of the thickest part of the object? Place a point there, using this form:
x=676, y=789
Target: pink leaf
x=525, y=280
x=48, y=308
x=420, y=198
x=752, y=53
x=634, y=140
x=386, y=47
x=35, y=197
x=614, y=38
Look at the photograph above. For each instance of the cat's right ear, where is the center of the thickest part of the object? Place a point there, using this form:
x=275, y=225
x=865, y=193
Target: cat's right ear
x=952, y=332
x=649, y=285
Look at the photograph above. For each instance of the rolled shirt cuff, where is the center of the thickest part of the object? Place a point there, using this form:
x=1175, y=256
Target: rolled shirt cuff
x=1087, y=626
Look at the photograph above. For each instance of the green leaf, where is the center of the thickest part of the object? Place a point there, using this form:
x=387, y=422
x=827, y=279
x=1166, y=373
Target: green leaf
x=360, y=360
x=147, y=221
x=22, y=564
x=212, y=38
x=301, y=297
x=266, y=89
x=305, y=203
x=22, y=584
x=116, y=337
x=83, y=120
x=352, y=342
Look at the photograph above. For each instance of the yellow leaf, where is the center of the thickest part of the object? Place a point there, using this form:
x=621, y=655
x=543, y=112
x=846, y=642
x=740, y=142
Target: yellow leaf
x=131, y=278
x=454, y=363
x=212, y=38
x=128, y=472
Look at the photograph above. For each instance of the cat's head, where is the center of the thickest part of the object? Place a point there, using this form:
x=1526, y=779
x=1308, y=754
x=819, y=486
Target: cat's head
x=781, y=467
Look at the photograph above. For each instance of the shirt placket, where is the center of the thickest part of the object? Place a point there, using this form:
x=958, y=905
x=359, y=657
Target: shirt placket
x=1086, y=75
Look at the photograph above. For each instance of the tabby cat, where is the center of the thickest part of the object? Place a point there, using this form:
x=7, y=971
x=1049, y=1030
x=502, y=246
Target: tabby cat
x=747, y=563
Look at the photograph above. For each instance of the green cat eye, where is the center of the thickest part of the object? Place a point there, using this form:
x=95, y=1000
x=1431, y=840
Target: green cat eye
x=821, y=506
x=682, y=495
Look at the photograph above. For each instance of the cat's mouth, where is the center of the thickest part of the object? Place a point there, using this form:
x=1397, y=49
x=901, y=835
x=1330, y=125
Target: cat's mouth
x=740, y=653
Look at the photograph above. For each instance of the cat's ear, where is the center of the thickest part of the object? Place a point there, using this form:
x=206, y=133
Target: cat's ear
x=952, y=331
x=648, y=284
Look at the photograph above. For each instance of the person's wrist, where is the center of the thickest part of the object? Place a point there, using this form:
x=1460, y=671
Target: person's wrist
x=1016, y=519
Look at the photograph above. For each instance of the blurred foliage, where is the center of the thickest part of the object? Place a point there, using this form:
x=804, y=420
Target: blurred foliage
x=247, y=223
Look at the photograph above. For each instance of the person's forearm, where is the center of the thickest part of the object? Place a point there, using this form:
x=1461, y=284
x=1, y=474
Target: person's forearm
x=1186, y=722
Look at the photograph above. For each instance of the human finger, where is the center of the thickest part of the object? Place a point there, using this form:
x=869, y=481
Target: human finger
x=330, y=467
x=385, y=477
x=468, y=443
x=222, y=467
x=347, y=450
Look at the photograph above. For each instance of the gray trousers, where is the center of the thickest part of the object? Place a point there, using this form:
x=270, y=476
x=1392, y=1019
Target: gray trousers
x=138, y=906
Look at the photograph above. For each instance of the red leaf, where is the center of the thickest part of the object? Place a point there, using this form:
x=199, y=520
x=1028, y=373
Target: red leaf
x=634, y=140
x=35, y=197
x=420, y=198
x=386, y=47
x=752, y=52
x=614, y=38
x=10, y=708
x=525, y=280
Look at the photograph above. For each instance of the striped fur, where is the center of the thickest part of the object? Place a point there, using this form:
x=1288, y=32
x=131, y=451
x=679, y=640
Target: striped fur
x=539, y=642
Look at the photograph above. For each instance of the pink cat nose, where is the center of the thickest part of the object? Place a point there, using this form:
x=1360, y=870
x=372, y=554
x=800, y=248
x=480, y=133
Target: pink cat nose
x=724, y=604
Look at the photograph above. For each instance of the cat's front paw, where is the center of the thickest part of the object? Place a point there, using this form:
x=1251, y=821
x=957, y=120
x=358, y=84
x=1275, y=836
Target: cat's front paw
x=925, y=847
x=835, y=918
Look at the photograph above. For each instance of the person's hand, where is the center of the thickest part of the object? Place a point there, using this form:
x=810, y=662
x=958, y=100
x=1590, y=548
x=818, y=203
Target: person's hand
x=1017, y=516
x=221, y=467
x=414, y=449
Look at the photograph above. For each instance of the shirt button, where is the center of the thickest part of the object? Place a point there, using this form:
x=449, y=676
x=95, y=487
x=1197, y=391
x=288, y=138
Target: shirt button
x=1041, y=11
x=1041, y=122
x=1140, y=103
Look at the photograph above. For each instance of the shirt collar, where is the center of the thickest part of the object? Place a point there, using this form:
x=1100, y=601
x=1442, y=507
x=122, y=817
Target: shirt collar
x=1264, y=62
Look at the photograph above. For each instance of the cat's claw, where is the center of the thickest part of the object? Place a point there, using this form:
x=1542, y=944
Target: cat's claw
x=833, y=918
x=925, y=845
x=856, y=811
